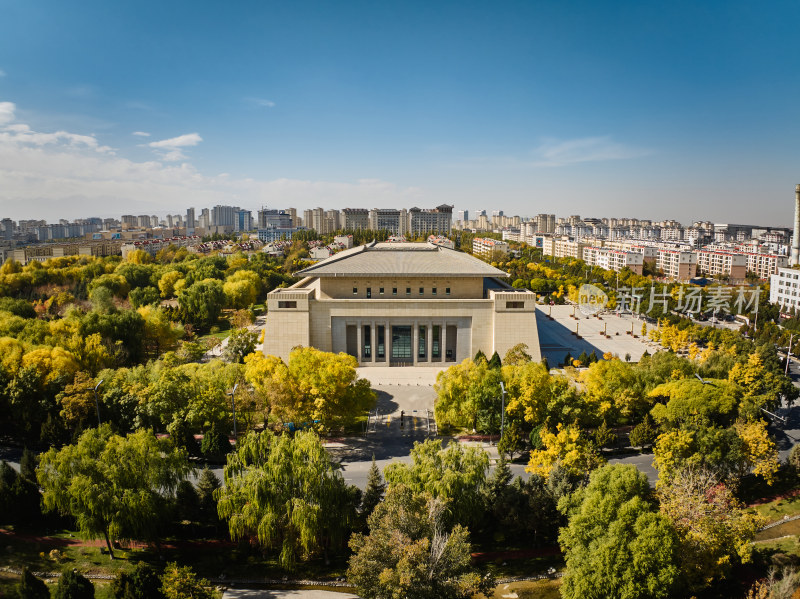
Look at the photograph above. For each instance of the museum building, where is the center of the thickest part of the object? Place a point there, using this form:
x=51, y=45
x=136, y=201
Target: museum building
x=401, y=304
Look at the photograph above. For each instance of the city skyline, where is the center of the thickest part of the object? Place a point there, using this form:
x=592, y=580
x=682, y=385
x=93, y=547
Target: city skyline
x=677, y=112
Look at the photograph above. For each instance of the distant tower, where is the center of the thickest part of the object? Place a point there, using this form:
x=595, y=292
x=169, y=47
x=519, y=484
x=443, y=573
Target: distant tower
x=796, y=235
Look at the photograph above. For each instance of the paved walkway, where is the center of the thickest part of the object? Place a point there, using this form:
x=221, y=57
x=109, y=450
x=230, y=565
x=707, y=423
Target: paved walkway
x=285, y=594
x=410, y=375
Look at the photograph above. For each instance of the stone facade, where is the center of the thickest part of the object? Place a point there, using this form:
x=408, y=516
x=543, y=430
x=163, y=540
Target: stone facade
x=402, y=319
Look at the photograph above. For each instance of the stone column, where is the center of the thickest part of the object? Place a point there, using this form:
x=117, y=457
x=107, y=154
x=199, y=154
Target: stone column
x=387, y=342
x=429, y=341
x=444, y=342
x=373, y=334
x=414, y=342
x=359, y=334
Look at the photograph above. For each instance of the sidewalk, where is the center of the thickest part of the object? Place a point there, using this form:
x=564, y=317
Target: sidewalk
x=411, y=375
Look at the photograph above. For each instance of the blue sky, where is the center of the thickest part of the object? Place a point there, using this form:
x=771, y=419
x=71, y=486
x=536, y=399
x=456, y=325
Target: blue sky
x=685, y=110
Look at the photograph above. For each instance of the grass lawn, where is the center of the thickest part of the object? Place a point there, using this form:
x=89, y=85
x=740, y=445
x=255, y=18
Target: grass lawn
x=782, y=530
x=534, y=589
x=777, y=509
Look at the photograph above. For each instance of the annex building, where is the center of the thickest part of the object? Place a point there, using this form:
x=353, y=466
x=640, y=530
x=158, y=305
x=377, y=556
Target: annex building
x=402, y=304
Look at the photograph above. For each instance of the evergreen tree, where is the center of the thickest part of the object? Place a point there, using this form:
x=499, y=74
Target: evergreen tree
x=604, y=436
x=215, y=445
x=206, y=485
x=567, y=360
x=479, y=356
x=27, y=465
x=495, y=361
x=31, y=587
x=74, y=585
x=644, y=433
x=583, y=359
x=373, y=493
x=187, y=502
x=143, y=583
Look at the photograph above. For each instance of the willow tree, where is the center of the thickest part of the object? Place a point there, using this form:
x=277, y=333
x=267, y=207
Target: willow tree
x=115, y=487
x=285, y=491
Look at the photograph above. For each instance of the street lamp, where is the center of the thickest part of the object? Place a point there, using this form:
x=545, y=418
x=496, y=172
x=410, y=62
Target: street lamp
x=503, y=408
x=233, y=406
x=96, y=403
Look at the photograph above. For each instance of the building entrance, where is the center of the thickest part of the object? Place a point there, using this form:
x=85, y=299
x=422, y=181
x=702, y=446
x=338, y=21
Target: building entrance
x=401, y=346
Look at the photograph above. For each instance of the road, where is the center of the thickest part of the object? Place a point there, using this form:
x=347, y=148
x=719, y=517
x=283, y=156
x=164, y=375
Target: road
x=285, y=594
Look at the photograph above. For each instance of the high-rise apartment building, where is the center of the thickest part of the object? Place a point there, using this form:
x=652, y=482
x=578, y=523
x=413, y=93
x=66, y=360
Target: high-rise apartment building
x=355, y=219
x=190, y=222
x=426, y=221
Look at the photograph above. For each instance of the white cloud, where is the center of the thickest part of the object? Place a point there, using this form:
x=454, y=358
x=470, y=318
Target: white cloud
x=2, y=73
x=259, y=102
x=553, y=152
x=182, y=141
x=66, y=175
x=169, y=149
x=141, y=133
x=7, y=110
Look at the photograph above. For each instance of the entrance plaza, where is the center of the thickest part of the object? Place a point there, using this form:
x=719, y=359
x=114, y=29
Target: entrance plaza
x=402, y=304
x=556, y=336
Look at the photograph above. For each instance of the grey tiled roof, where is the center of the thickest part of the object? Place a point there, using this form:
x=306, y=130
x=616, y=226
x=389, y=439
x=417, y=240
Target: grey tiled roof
x=401, y=259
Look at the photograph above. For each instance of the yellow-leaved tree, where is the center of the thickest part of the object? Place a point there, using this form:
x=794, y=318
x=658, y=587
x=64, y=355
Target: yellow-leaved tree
x=569, y=447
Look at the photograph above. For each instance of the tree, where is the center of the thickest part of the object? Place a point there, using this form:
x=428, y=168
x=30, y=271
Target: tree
x=74, y=585
x=468, y=396
x=202, y=302
x=318, y=388
x=566, y=447
x=616, y=543
x=144, y=296
x=511, y=442
x=604, y=436
x=182, y=583
x=714, y=530
x=77, y=401
x=114, y=487
x=408, y=552
x=373, y=492
x=456, y=473
x=494, y=361
x=517, y=355
x=215, y=445
x=30, y=587
x=242, y=288
x=27, y=465
x=142, y=583
x=644, y=433
x=207, y=483
x=241, y=343
x=286, y=492
x=613, y=390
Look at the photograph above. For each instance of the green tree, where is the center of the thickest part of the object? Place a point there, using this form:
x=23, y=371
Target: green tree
x=114, y=487
x=456, y=473
x=74, y=585
x=373, y=492
x=142, y=583
x=182, y=583
x=215, y=445
x=494, y=361
x=202, y=302
x=207, y=483
x=517, y=355
x=285, y=491
x=241, y=343
x=604, y=436
x=644, y=433
x=30, y=587
x=409, y=553
x=144, y=296
x=511, y=443
x=468, y=396
x=616, y=544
